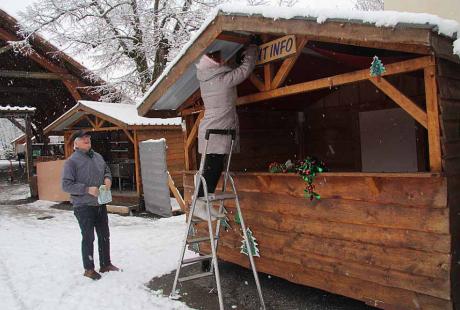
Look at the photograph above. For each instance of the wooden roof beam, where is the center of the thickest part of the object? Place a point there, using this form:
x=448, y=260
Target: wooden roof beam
x=35, y=75
x=341, y=79
x=404, y=39
x=232, y=37
x=48, y=65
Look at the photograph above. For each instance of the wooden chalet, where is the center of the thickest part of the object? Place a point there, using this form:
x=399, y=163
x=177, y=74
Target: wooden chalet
x=117, y=130
x=386, y=230
x=44, y=78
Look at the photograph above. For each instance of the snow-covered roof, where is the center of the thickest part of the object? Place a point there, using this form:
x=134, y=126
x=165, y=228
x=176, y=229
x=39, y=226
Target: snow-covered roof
x=117, y=113
x=16, y=109
x=188, y=84
x=127, y=113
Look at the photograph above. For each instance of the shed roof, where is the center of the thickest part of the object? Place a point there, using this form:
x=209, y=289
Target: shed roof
x=121, y=114
x=178, y=81
x=16, y=109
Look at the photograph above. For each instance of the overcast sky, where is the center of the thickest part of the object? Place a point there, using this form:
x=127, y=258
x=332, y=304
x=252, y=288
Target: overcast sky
x=13, y=6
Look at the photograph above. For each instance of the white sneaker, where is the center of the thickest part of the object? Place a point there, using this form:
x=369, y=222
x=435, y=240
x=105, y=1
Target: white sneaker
x=201, y=212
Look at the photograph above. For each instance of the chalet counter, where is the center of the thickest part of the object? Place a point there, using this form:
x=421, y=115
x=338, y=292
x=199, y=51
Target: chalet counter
x=383, y=238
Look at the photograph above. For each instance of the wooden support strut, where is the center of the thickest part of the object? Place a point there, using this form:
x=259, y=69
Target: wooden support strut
x=341, y=79
x=176, y=193
x=288, y=64
x=137, y=164
x=405, y=103
x=90, y=121
x=190, y=139
x=434, y=140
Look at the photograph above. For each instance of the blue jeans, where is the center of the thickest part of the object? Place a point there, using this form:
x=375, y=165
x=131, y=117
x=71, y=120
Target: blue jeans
x=90, y=218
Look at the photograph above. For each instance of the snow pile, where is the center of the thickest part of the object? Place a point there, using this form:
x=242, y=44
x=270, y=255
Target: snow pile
x=322, y=14
x=41, y=268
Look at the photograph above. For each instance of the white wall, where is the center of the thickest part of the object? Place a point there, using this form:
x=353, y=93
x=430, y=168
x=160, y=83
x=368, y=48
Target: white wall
x=444, y=8
x=388, y=141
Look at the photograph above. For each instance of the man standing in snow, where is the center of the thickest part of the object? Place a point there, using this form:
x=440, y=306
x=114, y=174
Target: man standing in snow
x=84, y=171
x=218, y=89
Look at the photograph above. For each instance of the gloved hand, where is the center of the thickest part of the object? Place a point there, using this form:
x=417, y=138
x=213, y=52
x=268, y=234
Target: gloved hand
x=255, y=39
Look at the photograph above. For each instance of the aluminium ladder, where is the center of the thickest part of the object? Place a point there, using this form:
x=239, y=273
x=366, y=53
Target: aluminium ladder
x=208, y=199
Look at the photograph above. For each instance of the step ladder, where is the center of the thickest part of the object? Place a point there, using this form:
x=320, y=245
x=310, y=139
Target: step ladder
x=213, y=238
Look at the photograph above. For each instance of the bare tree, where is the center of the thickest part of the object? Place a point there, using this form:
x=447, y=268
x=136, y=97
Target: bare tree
x=128, y=40
x=370, y=5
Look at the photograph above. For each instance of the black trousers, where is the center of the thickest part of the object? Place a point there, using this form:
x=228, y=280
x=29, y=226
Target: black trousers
x=213, y=167
x=94, y=218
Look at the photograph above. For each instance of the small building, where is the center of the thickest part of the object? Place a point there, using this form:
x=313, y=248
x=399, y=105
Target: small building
x=386, y=229
x=117, y=130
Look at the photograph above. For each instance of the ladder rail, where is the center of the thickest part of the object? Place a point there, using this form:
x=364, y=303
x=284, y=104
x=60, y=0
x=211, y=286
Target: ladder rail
x=214, y=238
x=248, y=246
x=198, y=181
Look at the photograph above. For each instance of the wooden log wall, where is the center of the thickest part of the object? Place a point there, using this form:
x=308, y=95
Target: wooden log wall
x=448, y=80
x=380, y=238
x=175, y=158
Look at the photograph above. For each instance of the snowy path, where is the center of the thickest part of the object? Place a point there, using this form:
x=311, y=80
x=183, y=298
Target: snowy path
x=40, y=264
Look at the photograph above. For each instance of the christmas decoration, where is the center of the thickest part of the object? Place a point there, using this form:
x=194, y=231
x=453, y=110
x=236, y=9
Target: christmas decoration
x=307, y=170
x=252, y=244
x=377, y=68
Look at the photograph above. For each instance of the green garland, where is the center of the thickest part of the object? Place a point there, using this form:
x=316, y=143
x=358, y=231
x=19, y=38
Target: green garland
x=307, y=169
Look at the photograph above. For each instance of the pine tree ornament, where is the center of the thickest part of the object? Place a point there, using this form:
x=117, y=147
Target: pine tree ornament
x=252, y=244
x=377, y=68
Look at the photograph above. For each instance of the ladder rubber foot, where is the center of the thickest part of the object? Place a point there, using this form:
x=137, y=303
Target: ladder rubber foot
x=196, y=276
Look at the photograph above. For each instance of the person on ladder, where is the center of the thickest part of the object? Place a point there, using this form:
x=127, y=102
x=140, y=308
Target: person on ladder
x=218, y=84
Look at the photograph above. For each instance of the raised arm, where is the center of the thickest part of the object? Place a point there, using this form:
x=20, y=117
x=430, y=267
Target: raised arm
x=241, y=73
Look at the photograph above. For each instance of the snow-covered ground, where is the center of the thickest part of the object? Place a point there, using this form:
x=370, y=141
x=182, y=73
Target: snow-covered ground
x=41, y=268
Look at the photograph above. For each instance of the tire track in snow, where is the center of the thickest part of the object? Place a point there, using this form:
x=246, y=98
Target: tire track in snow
x=6, y=279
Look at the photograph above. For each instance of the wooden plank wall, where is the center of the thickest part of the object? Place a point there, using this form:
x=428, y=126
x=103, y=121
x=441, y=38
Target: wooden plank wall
x=448, y=78
x=380, y=239
x=175, y=158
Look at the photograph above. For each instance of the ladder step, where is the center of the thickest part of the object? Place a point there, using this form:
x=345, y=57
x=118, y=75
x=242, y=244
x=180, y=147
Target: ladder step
x=218, y=196
x=196, y=276
x=200, y=239
x=196, y=259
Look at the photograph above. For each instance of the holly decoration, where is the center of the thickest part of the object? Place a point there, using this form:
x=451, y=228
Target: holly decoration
x=308, y=169
x=377, y=68
x=252, y=244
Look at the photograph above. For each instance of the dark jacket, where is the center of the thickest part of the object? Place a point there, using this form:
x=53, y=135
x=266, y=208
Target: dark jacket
x=82, y=171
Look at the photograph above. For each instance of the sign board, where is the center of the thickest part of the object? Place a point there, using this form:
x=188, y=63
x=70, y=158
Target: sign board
x=276, y=49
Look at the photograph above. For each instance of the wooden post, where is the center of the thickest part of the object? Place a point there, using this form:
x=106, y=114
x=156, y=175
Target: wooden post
x=434, y=140
x=29, y=163
x=137, y=164
x=67, y=144
x=176, y=193
x=190, y=156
